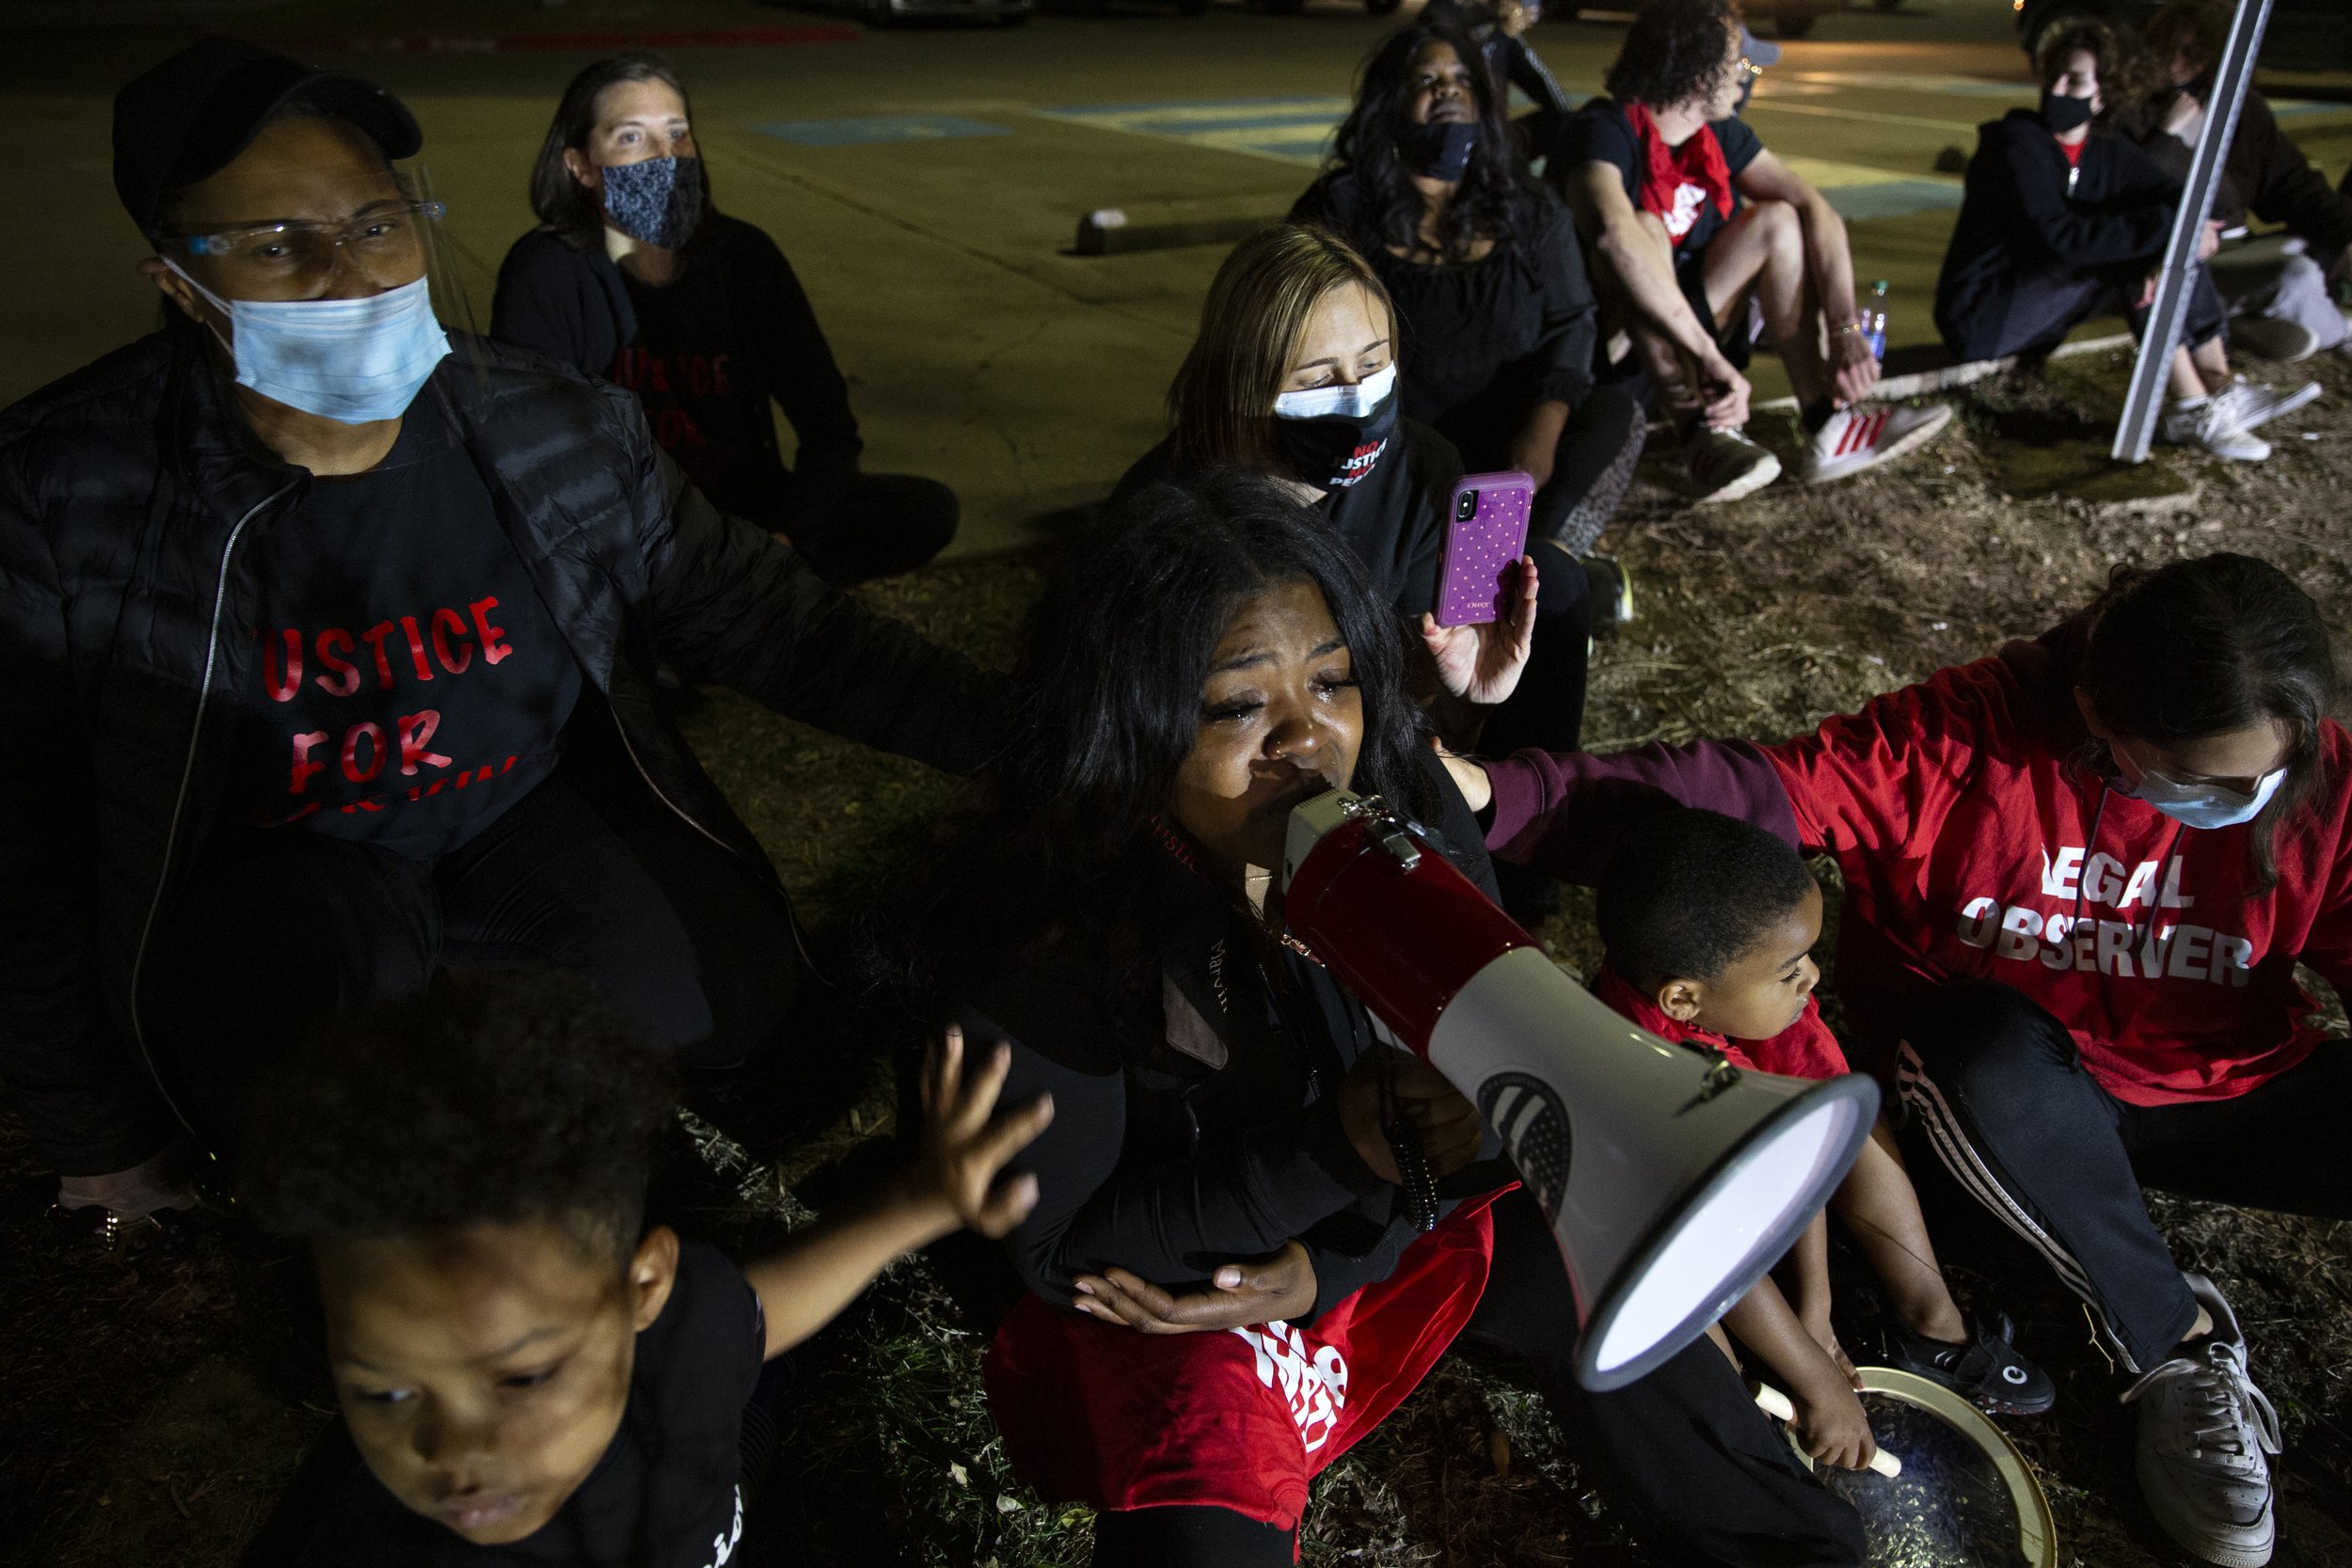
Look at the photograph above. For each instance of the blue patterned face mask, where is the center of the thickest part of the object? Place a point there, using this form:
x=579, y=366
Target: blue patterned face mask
x=658, y=202
x=352, y=361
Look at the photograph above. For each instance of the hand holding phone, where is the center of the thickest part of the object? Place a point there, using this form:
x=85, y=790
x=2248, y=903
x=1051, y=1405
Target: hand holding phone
x=1486, y=533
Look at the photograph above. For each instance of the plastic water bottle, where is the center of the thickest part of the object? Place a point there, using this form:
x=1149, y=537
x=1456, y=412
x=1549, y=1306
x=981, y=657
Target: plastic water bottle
x=1872, y=320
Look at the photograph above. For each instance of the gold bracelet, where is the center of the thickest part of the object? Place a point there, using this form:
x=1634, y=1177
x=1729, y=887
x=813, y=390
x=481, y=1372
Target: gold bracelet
x=1850, y=326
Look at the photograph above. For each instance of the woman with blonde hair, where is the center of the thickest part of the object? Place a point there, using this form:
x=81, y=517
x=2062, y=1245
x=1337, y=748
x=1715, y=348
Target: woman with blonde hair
x=1294, y=376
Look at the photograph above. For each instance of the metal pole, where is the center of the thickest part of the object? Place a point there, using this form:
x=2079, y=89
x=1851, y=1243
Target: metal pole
x=2231, y=76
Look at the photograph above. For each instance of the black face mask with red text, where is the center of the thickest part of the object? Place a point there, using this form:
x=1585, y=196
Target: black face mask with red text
x=1332, y=437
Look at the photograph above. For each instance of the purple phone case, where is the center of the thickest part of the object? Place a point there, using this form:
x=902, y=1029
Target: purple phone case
x=1480, y=547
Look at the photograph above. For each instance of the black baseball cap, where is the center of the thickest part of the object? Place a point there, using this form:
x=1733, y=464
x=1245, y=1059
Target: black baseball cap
x=189, y=116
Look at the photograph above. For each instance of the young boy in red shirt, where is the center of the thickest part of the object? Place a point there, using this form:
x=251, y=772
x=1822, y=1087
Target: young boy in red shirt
x=1709, y=924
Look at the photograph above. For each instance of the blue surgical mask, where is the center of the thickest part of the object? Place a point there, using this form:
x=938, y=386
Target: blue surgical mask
x=2206, y=805
x=658, y=202
x=352, y=361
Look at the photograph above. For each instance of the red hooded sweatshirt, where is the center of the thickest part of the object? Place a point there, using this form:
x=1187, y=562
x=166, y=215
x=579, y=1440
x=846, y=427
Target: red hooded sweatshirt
x=1978, y=841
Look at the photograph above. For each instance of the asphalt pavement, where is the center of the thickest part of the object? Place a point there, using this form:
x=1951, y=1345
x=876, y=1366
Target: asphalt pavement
x=927, y=182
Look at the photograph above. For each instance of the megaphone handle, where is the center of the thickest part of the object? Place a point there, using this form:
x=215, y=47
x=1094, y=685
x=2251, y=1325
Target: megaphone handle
x=1777, y=1405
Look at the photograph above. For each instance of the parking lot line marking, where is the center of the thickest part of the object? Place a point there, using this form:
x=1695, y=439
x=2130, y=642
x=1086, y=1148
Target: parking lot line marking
x=869, y=130
x=1287, y=130
x=1953, y=87
x=1870, y=116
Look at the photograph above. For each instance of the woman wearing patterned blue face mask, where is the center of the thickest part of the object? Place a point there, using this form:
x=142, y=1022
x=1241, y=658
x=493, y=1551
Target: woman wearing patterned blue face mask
x=634, y=277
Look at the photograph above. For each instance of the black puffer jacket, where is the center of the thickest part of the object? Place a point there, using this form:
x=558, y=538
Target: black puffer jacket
x=130, y=493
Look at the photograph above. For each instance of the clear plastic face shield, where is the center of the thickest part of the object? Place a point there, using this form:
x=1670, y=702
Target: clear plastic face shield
x=325, y=291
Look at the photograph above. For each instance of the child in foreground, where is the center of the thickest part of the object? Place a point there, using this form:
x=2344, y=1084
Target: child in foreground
x=531, y=1372
x=1710, y=924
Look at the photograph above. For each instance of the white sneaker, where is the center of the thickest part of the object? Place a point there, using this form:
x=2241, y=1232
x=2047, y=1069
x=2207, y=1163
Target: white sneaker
x=1723, y=465
x=2272, y=337
x=2206, y=423
x=2250, y=402
x=1858, y=439
x=2203, y=1430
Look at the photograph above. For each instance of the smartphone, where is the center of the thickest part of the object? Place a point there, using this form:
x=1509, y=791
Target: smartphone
x=1487, y=532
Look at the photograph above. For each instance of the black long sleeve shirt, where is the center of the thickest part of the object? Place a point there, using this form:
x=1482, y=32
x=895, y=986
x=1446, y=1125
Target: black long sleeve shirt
x=1214, y=1136
x=705, y=354
x=1480, y=343
x=1394, y=519
x=2268, y=175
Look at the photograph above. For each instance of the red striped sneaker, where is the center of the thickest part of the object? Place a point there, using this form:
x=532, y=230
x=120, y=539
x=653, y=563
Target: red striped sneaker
x=1857, y=438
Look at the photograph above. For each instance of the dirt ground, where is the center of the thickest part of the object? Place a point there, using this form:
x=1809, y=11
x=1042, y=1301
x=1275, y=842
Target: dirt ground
x=156, y=1407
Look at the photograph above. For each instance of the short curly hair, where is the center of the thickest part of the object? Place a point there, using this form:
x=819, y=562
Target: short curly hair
x=2125, y=77
x=494, y=1098
x=1673, y=52
x=1688, y=894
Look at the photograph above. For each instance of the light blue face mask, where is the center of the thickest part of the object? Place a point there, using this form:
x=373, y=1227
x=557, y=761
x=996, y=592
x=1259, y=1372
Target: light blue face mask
x=2206, y=805
x=352, y=361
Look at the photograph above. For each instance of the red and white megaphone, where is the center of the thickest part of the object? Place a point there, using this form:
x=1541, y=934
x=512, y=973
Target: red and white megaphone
x=1673, y=1179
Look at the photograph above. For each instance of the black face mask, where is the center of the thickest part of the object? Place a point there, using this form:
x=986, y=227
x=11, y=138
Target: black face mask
x=2061, y=114
x=1337, y=433
x=1438, y=151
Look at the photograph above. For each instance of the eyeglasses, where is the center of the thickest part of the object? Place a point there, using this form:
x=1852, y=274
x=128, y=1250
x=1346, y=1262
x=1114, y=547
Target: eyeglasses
x=390, y=232
x=1747, y=67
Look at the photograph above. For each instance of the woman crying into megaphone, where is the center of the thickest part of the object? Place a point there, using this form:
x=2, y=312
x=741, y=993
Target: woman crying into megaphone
x=1233, y=1271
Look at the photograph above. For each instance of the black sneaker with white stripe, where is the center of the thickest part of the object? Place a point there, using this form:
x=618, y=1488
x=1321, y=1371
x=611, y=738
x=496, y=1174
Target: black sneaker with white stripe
x=1985, y=1370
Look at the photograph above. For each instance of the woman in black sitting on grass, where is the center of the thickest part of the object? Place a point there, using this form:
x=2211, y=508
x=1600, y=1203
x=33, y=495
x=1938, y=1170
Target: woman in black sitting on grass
x=632, y=275
x=1217, y=1160
x=1495, y=316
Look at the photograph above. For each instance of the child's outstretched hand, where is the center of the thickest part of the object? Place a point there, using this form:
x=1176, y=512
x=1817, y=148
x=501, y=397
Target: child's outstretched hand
x=966, y=1141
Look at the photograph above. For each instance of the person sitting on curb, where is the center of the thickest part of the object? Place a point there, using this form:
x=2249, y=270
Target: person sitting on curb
x=1690, y=219
x=2281, y=306
x=329, y=655
x=634, y=275
x=2061, y=221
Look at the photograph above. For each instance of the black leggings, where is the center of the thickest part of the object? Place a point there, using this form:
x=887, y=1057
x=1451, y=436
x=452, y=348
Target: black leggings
x=2041, y=308
x=1994, y=1089
x=274, y=934
x=1684, y=1453
x=1592, y=466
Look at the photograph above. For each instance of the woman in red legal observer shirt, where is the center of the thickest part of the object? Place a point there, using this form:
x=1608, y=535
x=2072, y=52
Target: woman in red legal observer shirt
x=2079, y=876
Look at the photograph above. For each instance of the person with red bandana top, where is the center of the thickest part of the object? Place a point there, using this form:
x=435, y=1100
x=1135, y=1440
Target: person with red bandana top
x=1690, y=218
x=2080, y=876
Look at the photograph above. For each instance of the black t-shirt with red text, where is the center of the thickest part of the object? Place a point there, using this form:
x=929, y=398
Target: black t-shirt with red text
x=713, y=347
x=409, y=684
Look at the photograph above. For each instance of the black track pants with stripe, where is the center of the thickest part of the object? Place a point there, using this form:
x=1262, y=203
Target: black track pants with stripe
x=1994, y=1087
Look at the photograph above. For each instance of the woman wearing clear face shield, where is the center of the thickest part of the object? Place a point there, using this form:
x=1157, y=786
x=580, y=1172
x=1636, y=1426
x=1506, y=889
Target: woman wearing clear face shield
x=327, y=662
x=634, y=275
